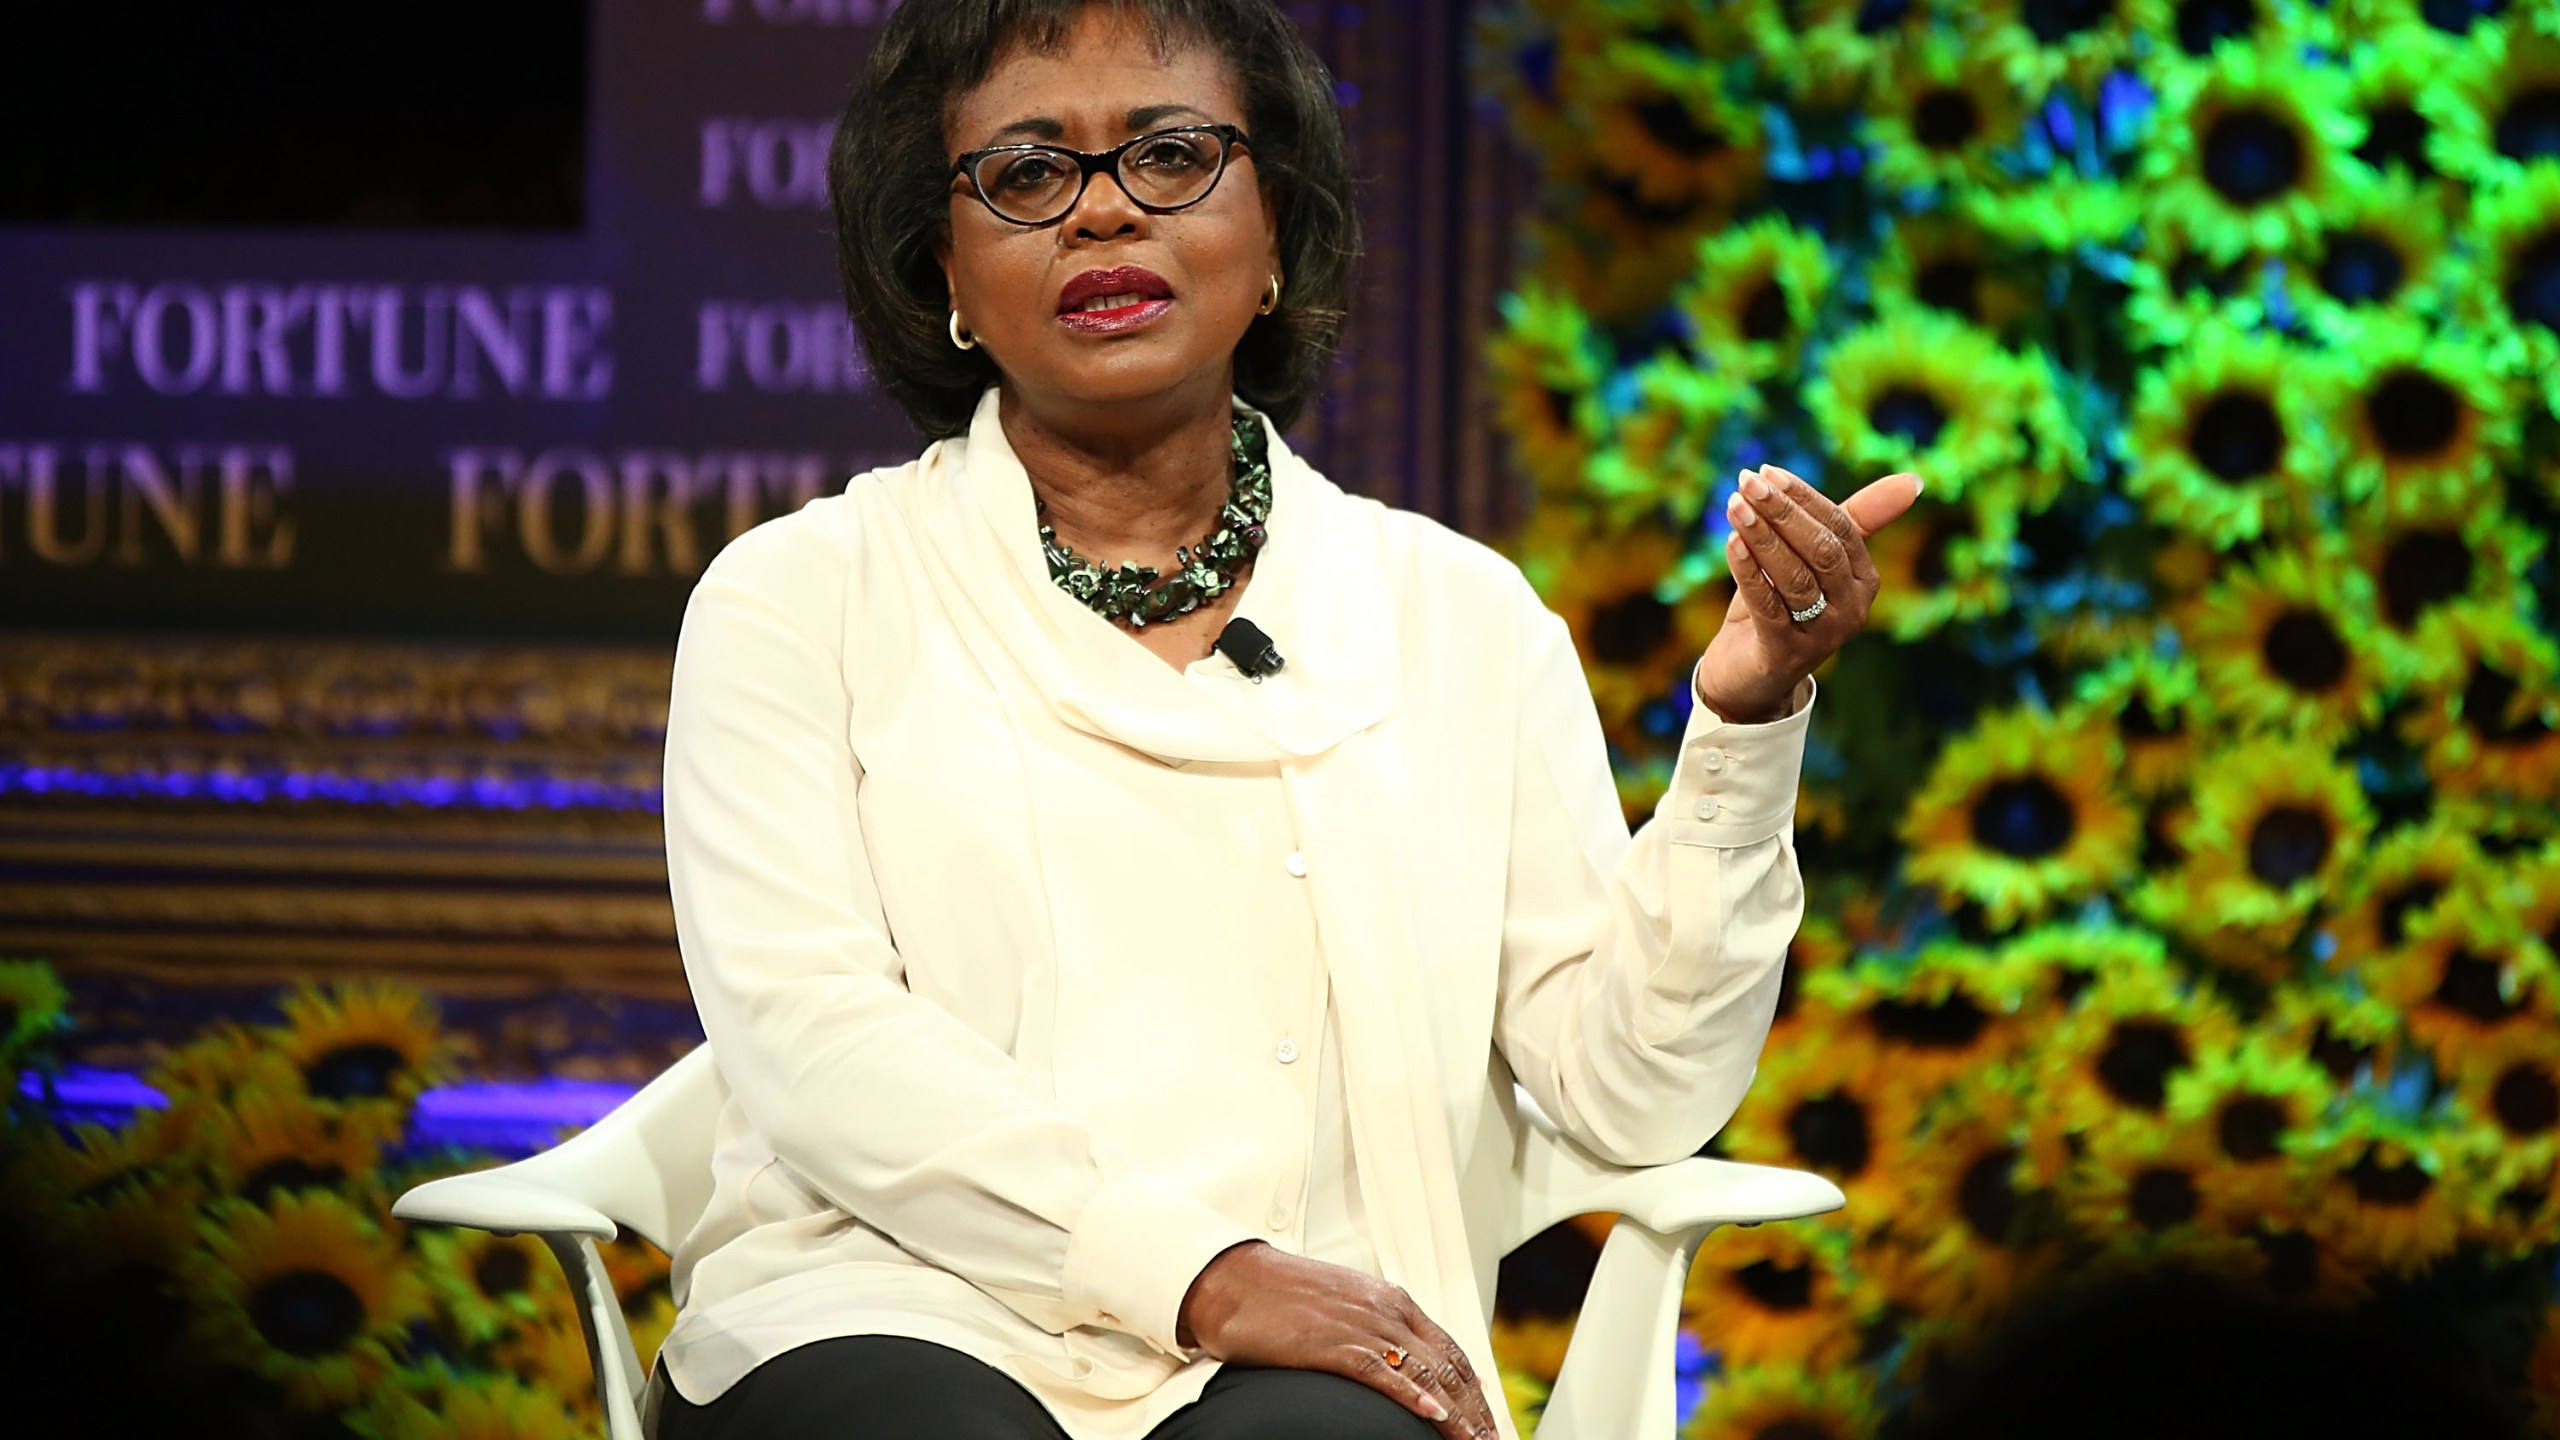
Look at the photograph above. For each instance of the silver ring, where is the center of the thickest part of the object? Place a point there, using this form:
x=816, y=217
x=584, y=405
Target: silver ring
x=1811, y=612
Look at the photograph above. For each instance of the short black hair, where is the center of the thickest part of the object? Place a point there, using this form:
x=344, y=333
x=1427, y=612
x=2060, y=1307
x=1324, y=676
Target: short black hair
x=886, y=174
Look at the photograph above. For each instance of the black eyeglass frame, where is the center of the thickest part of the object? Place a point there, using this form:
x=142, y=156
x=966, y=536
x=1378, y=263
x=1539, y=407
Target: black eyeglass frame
x=1092, y=164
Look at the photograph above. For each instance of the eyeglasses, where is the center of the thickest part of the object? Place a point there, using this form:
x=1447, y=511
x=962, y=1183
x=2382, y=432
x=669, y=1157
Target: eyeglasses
x=1161, y=171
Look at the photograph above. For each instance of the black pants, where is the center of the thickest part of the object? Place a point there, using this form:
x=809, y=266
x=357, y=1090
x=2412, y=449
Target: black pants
x=888, y=1387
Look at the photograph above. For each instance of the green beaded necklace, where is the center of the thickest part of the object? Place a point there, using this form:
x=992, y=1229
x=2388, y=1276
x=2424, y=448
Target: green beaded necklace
x=1203, y=572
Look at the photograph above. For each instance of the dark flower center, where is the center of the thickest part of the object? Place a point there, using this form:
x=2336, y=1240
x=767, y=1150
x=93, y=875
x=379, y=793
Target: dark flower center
x=2054, y=21
x=2362, y=269
x=1537, y=64
x=1638, y=206
x=1880, y=15
x=2252, y=156
x=2395, y=1186
x=2391, y=917
x=2458, y=16
x=1795, y=1427
x=1830, y=1132
x=1949, y=1024
x=2471, y=988
x=1559, y=407
x=2303, y=650
x=2526, y=1100
x=137, y=1178
x=2396, y=134
x=2288, y=845
x=2237, y=437
x=2138, y=1061
x=1627, y=630
x=2138, y=721
x=2023, y=816
x=1910, y=412
x=2486, y=700
x=1945, y=119
x=1765, y=316
x=364, y=1069
x=290, y=1172
x=2161, y=1197
x=2202, y=22
x=1930, y=566
x=2423, y=569
x=2414, y=414
x=306, y=1313
x=1986, y=1198
x=2534, y=291
x=1675, y=129
x=2529, y=128
x=2293, y=1260
x=502, y=1270
x=1952, y=285
x=2338, y=1054
x=1776, y=1287
x=2249, y=1128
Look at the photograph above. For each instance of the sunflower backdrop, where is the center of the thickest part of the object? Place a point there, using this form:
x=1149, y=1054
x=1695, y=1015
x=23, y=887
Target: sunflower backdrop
x=226, y=1264
x=2184, y=880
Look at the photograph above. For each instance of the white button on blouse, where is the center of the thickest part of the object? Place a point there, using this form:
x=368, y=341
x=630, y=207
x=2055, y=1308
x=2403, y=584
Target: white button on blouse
x=1297, y=863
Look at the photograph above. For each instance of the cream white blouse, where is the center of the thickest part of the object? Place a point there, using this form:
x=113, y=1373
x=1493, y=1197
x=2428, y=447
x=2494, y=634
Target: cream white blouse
x=1040, y=971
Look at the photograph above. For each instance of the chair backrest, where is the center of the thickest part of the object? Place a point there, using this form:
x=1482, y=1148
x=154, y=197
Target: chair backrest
x=647, y=1165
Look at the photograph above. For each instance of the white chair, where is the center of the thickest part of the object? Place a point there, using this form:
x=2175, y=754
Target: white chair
x=647, y=1165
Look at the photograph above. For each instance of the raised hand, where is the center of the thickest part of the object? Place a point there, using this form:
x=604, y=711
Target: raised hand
x=1792, y=552
x=1256, y=1304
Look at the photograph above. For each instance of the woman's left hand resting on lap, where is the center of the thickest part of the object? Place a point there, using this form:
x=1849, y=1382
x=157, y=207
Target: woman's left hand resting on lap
x=1791, y=550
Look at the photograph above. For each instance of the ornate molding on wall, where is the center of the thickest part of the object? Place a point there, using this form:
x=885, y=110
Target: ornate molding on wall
x=333, y=805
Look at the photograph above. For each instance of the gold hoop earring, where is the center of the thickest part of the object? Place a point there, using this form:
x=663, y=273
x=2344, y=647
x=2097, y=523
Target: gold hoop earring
x=1271, y=300
x=959, y=337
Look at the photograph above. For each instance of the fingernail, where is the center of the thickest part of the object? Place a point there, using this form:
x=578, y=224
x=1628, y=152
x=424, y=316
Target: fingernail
x=1433, y=1410
x=1755, y=487
x=1918, y=485
x=1745, y=515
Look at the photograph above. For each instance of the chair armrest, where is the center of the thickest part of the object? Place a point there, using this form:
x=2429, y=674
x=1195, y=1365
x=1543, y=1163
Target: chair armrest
x=1687, y=1194
x=506, y=1201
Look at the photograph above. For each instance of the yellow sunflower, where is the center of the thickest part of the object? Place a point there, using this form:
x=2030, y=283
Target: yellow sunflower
x=2515, y=1206
x=1753, y=296
x=2057, y=216
x=2391, y=82
x=2052, y=965
x=268, y=1143
x=2399, y=879
x=2380, y=255
x=2137, y=1189
x=2531, y=889
x=1845, y=46
x=2298, y=1265
x=2040, y=46
x=1525, y=1396
x=306, y=1292
x=2386, y=1186
x=550, y=1353
x=1773, y=1293
x=226, y=1064
x=1785, y=1402
x=1533, y=1344
x=2286, y=644
x=2275, y=823
x=2226, y=442
x=2425, y=421
x=477, y=1407
x=2353, y=1037
x=1942, y=118
x=1970, y=1244
x=125, y=1261
x=155, y=1154
x=2496, y=108
x=2247, y=1101
x=2491, y=727
x=33, y=1006
x=1942, y=260
x=2512, y=1078
x=2150, y=697
x=1655, y=466
x=2021, y=816
x=1945, y=562
x=1920, y=392
x=1922, y=1022
x=2135, y=1029
x=1664, y=122
x=1819, y=947
x=2427, y=555
x=1636, y=646
x=1612, y=251
x=2467, y=975
x=2249, y=149
x=360, y=1041
x=2516, y=292
x=1820, y=1109
x=1547, y=362
x=486, y=1283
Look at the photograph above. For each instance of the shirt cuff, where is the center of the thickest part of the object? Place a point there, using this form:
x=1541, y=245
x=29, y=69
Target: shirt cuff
x=1735, y=784
x=1136, y=1250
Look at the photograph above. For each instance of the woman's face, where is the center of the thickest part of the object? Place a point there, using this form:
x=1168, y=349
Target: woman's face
x=1212, y=262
